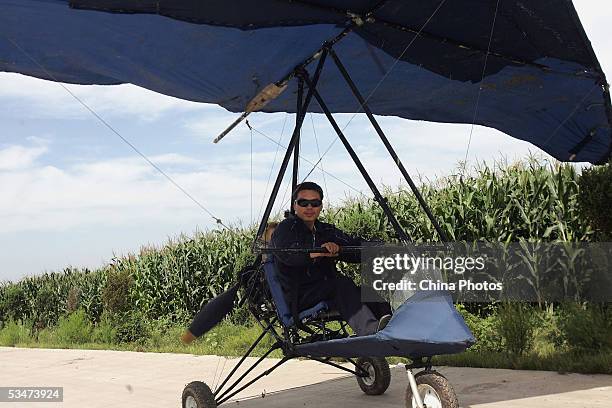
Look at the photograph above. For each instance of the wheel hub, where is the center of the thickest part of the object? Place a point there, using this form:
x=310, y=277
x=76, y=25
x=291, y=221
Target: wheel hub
x=190, y=402
x=370, y=379
x=429, y=396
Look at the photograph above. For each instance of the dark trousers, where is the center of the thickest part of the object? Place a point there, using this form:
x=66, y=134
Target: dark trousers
x=343, y=295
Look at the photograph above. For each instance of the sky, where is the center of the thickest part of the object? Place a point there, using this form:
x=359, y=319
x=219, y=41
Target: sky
x=72, y=193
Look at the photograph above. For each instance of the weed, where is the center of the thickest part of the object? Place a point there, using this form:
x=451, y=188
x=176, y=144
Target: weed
x=74, y=329
x=516, y=324
x=14, y=333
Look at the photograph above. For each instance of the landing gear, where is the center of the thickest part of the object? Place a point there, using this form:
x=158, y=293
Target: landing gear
x=377, y=375
x=434, y=391
x=197, y=394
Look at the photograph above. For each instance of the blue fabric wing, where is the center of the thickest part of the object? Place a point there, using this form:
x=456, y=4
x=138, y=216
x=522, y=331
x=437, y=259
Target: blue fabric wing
x=542, y=81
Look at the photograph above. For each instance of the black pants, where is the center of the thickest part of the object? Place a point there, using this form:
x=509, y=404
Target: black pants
x=343, y=295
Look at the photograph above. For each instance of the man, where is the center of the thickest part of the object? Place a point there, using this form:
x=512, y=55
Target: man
x=308, y=279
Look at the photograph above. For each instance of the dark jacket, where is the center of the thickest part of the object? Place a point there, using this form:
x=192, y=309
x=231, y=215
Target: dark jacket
x=309, y=276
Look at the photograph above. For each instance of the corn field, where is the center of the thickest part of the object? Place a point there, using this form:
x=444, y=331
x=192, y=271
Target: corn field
x=529, y=200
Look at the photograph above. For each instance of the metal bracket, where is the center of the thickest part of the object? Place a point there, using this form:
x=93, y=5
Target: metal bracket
x=414, y=388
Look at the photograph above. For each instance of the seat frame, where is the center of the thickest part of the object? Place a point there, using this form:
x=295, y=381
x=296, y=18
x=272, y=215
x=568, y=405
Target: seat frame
x=318, y=326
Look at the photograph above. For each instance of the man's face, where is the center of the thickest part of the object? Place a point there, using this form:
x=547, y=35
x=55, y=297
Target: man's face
x=309, y=213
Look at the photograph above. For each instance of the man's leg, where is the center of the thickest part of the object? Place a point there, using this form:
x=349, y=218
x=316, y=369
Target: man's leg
x=347, y=300
x=379, y=306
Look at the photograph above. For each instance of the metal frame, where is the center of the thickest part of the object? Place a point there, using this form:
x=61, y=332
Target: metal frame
x=258, y=297
x=303, y=77
x=296, y=149
x=294, y=139
x=262, y=307
x=385, y=141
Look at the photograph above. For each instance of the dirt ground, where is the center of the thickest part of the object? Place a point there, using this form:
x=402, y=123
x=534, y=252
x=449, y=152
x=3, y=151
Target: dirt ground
x=93, y=378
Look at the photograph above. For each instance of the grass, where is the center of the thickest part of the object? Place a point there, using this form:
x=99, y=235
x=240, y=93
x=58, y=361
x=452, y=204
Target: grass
x=562, y=362
x=226, y=339
x=232, y=340
x=14, y=334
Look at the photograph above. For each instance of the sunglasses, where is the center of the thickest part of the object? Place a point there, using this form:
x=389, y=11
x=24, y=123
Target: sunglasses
x=302, y=202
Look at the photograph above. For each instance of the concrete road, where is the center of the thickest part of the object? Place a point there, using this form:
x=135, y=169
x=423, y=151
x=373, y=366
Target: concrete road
x=118, y=379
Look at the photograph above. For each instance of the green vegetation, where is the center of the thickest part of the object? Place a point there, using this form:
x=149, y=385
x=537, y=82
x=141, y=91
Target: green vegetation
x=597, y=363
x=565, y=337
x=74, y=331
x=551, y=348
x=595, y=198
x=143, y=301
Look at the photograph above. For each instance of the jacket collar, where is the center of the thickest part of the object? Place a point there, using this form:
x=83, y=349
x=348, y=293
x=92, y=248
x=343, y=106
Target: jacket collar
x=318, y=225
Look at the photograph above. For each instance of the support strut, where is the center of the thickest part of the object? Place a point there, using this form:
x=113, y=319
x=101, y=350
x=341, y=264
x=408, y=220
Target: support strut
x=249, y=351
x=265, y=373
x=294, y=138
x=228, y=392
x=296, y=149
x=385, y=141
x=332, y=364
x=379, y=198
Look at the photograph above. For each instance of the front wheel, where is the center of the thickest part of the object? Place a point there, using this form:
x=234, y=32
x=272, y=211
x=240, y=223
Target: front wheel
x=197, y=394
x=435, y=391
x=376, y=375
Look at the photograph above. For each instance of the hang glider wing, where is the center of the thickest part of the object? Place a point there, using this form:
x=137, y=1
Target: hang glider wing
x=525, y=68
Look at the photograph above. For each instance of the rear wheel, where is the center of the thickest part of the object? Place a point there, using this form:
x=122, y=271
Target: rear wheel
x=435, y=391
x=377, y=375
x=197, y=394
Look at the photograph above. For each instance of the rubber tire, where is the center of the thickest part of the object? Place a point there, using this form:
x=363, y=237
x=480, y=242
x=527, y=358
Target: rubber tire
x=382, y=375
x=201, y=393
x=440, y=384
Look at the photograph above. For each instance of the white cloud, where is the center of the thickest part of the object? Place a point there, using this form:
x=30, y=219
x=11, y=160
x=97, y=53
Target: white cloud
x=32, y=96
x=19, y=157
x=126, y=191
x=173, y=158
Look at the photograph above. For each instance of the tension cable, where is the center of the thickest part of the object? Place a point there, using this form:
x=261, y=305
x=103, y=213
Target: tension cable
x=309, y=161
x=484, y=71
x=113, y=130
x=360, y=109
x=278, y=146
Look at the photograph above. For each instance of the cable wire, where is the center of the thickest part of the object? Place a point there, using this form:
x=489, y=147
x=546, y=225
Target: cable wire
x=359, y=110
x=309, y=161
x=484, y=71
x=278, y=146
x=251, y=157
x=113, y=130
x=314, y=132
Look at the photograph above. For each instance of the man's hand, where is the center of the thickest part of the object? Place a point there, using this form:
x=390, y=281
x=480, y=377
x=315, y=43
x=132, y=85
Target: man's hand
x=332, y=248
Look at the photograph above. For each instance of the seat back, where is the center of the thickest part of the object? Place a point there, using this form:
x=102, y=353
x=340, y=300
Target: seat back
x=278, y=296
x=276, y=290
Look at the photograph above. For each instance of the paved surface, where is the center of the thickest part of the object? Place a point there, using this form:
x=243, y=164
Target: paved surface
x=119, y=379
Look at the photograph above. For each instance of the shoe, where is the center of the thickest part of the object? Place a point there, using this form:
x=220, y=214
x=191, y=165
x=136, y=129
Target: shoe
x=382, y=323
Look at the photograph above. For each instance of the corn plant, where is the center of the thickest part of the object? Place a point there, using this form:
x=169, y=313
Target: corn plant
x=531, y=201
